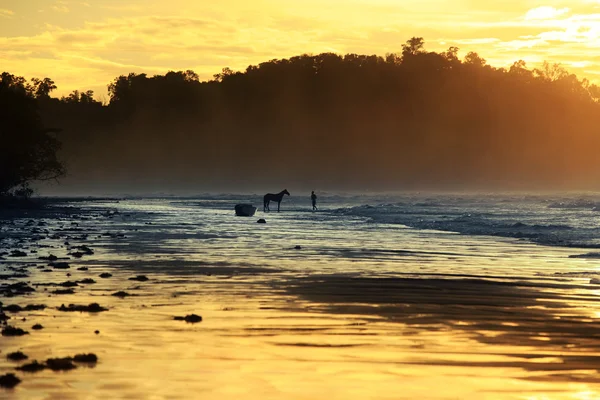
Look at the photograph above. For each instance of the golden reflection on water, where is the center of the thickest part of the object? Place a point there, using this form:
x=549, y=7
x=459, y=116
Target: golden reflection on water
x=279, y=324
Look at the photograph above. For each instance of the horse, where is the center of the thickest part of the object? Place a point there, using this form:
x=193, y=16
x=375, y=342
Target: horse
x=273, y=197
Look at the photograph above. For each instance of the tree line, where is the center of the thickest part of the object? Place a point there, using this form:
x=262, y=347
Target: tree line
x=410, y=119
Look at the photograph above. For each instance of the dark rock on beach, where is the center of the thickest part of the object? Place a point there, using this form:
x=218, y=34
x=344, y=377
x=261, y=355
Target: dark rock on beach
x=86, y=358
x=140, y=278
x=87, y=281
x=33, y=366
x=191, y=318
x=105, y=275
x=9, y=381
x=12, y=331
x=121, y=294
x=261, y=221
x=82, y=269
x=60, y=364
x=60, y=265
x=93, y=308
x=68, y=284
x=18, y=253
x=63, y=291
x=17, y=356
x=37, y=327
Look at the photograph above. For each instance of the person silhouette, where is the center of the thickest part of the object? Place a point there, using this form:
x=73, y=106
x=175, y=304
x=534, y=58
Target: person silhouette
x=313, y=198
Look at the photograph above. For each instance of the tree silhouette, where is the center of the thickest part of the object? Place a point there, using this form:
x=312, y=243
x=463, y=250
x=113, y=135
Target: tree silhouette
x=29, y=150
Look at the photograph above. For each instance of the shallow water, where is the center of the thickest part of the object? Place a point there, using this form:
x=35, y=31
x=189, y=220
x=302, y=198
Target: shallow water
x=413, y=296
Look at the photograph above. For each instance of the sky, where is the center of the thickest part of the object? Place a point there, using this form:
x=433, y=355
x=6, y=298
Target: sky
x=85, y=44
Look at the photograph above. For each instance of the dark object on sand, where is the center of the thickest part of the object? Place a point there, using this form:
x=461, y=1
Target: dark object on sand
x=17, y=356
x=34, y=307
x=37, y=327
x=14, y=308
x=82, y=269
x=86, y=358
x=32, y=367
x=51, y=257
x=298, y=247
x=18, y=253
x=244, y=210
x=140, y=278
x=261, y=221
x=60, y=265
x=191, y=318
x=97, y=332
x=87, y=281
x=12, y=331
x=63, y=291
x=94, y=307
x=60, y=364
x=121, y=294
x=105, y=275
x=9, y=381
x=68, y=284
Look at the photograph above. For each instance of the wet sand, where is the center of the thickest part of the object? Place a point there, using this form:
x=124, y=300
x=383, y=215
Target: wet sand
x=285, y=323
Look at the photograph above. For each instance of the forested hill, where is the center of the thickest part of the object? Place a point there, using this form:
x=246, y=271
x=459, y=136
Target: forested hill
x=411, y=120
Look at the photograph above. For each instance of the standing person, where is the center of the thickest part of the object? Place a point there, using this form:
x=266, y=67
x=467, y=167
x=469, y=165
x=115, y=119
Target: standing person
x=313, y=198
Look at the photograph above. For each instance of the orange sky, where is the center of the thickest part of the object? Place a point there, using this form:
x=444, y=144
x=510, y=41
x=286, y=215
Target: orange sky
x=84, y=44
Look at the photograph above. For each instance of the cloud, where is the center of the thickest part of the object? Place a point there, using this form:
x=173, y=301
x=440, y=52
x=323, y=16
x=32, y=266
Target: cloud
x=60, y=6
x=545, y=12
x=5, y=13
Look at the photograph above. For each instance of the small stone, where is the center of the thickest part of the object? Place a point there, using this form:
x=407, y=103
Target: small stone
x=191, y=318
x=32, y=367
x=9, y=381
x=17, y=356
x=140, y=278
x=60, y=364
x=86, y=358
x=105, y=275
x=261, y=221
x=37, y=327
x=12, y=331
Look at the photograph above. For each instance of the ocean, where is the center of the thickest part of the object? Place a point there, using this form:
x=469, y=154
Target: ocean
x=416, y=295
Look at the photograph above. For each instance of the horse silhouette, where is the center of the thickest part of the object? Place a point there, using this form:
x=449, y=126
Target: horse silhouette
x=274, y=197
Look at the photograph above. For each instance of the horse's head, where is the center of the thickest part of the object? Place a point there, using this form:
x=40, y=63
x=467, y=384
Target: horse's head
x=286, y=192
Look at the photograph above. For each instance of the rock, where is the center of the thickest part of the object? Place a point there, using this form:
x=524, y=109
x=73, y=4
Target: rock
x=298, y=247
x=12, y=331
x=37, y=327
x=121, y=294
x=68, y=284
x=18, y=253
x=97, y=332
x=33, y=366
x=87, y=281
x=93, y=308
x=261, y=221
x=60, y=364
x=140, y=278
x=63, y=291
x=85, y=358
x=77, y=254
x=595, y=281
x=60, y=265
x=105, y=275
x=9, y=381
x=34, y=307
x=191, y=318
x=13, y=308
x=82, y=269
x=17, y=356
x=244, y=210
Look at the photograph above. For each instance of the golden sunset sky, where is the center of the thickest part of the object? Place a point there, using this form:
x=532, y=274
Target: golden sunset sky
x=85, y=44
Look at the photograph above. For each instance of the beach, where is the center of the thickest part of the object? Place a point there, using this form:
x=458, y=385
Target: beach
x=402, y=296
